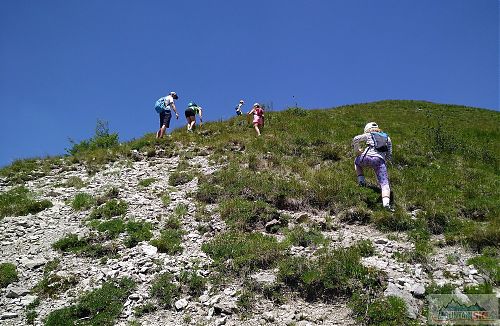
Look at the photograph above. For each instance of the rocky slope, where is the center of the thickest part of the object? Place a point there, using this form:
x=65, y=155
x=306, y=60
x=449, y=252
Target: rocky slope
x=26, y=241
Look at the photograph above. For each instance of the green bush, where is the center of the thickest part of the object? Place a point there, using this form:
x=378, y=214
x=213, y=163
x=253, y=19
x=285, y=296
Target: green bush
x=165, y=290
x=298, y=236
x=243, y=252
x=101, y=306
x=244, y=215
x=112, y=228
x=74, y=182
x=146, y=308
x=19, y=202
x=165, y=199
x=147, y=182
x=485, y=288
x=488, y=263
x=112, y=208
x=179, y=178
x=388, y=311
x=334, y=273
x=8, y=274
x=82, y=201
x=137, y=231
x=169, y=241
x=101, y=140
x=195, y=284
x=83, y=246
x=181, y=210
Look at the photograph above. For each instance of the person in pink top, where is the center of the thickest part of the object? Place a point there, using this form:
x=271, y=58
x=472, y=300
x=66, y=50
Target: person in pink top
x=258, y=117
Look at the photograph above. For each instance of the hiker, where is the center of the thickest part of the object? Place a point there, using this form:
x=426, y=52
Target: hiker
x=192, y=110
x=258, y=117
x=163, y=106
x=375, y=156
x=238, y=108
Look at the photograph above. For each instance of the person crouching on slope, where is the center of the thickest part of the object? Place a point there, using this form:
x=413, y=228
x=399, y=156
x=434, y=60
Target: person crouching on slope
x=238, y=108
x=163, y=107
x=258, y=117
x=191, y=112
x=375, y=156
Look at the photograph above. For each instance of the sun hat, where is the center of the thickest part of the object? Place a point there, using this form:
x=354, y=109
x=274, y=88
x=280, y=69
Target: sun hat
x=370, y=125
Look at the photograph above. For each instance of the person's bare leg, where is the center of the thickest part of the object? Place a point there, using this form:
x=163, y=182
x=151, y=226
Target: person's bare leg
x=257, y=129
x=162, y=131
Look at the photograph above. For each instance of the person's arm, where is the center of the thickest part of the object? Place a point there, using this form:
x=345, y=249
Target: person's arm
x=356, y=143
x=175, y=110
x=389, y=152
x=251, y=111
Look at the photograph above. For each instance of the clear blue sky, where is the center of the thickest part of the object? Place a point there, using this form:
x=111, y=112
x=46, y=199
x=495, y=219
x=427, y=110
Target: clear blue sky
x=66, y=63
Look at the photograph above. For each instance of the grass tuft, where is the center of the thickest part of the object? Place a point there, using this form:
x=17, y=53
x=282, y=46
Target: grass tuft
x=8, y=274
x=19, y=202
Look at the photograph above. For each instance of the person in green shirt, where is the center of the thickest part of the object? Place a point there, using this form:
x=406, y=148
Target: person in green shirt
x=192, y=110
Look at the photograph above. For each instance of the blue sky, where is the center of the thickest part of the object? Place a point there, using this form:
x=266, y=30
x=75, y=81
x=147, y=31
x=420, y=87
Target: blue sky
x=66, y=63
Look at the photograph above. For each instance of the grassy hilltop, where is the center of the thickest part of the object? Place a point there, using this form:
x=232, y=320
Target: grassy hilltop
x=444, y=177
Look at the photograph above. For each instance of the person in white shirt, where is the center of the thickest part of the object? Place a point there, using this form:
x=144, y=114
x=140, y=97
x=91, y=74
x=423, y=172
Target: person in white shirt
x=378, y=150
x=163, y=107
x=238, y=108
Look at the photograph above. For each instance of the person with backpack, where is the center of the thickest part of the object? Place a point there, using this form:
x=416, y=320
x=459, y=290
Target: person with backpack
x=163, y=106
x=192, y=110
x=238, y=108
x=258, y=117
x=377, y=152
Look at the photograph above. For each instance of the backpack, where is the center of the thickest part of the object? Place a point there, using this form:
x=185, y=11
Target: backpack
x=160, y=105
x=380, y=140
x=259, y=112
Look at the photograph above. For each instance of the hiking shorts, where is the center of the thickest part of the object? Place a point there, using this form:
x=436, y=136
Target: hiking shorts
x=258, y=120
x=377, y=164
x=189, y=113
x=165, y=117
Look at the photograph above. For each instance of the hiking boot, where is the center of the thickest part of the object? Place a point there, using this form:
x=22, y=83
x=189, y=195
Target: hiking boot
x=389, y=208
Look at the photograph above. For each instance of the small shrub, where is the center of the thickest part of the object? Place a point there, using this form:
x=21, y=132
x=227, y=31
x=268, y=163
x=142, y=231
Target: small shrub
x=365, y=248
x=181, y=210
x=169, y=241
x=112, y=193
x=147, y=182
x=19, y=202
x=339, y=272
x=110, y=209
x=101, y=140
x=74, y=182
x=51, y=285
x=137, y=231
x=173, y=223
x=246, y=300
x=388, y=311
x=485, y=288
x=31, y=316
x=393, y=221
x=194, y=282
x=433, y=288
x=243, y=252
x=8, y=274
x=245, y=215
x=83, y=246
x=98, y=307
x=165, y=199
x=82, y=201
x=112, y=228
x=179, y=178
x=489, y=264
x=146, y=308
x=355, y=214
x=165, y=290
x=298, y=236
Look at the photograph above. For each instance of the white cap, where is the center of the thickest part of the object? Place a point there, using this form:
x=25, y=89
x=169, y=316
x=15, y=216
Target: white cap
x=173, y=93
x=241, y=101
x=370, y=125
x=256, y=104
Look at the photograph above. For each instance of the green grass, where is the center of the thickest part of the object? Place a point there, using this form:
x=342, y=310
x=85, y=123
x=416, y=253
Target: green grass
x=82, y=201
x=165, y=290
x=74, y=182
x=21, y=171
x=193, y=283
x=334, y=273
x=101, y=306
x=244, y=215
x=112, y=228
x=298, y=236
x=138, y=231
x=147, y=182
x=181, y=210
x=389, y=311
x=110, y=209
x=19, y=202
x=51, y=285
x=179, y=178
x=165, y=199
x=86, y=246
x=8, y=274
x=169, y=241
x=488, y=263
x=243, y=252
